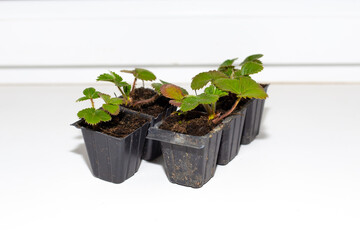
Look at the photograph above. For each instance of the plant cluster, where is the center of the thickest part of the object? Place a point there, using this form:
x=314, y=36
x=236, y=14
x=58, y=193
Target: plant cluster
x=111, y=105
x=227, y=79
x=215, y=84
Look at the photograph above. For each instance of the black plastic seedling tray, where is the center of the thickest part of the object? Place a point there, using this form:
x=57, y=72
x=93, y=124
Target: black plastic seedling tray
x=114, y=159
x=253, y=118
x=231, y=136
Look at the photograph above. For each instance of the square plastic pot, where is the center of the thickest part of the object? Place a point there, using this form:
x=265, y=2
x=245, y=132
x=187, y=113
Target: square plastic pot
x=114, y=159
x=188, y=160
x=152, y=149
x=253, y=118
x=231, y=136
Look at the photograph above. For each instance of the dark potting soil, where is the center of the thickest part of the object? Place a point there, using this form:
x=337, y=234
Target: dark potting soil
x=193, y=123
x=120, y=126
x=225, y=103
x=154, y=108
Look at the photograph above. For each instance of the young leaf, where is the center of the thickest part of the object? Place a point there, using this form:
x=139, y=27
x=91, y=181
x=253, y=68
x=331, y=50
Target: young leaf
x=228, y=62
x=200, y=80
x=127, y=89
x=251, y=58
x=93, y=117
x=189, y=103
x=116, y=101
x=244, y=87
x=82, y=99
x=182, y=89
x=207, y=98
x=214, y=90
x=157, y=86
x=172, y=91
x=105, y=97
x=251, y=68
x=227, y=70
x=91, y=93
x=144, y=74
x=112, y=77
x=112, y=109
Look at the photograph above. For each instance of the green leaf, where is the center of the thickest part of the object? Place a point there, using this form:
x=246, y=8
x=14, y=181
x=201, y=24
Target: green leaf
x=229, y=85
x=237, y=74
x=93, y=117
x=105, y=97
x=251, y=58
x=82, y=99
x=251, y=68
x=122, y=84
x=228, y=62
x=244, y=87
x=157, y=86
x=227, y=70
x=112, y=77
x=112, y=109
x=91, y=93
x=116, y=101
x=172, y=91
x=205, y=98
x=189, y=103
x=127, y=89
x=144, y=74
x=200, y=80
x=214, y=90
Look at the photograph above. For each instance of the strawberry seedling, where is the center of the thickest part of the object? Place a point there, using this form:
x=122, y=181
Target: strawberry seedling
x=94, y=116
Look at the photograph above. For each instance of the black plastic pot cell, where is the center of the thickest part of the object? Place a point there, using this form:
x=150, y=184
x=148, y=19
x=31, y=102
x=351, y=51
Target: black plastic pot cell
x=114, y=159
x=189, y=160
x=253, y=119
x=152, y=149
x=231, y=137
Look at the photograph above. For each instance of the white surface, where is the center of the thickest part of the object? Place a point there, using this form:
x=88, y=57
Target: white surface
x=299, y=180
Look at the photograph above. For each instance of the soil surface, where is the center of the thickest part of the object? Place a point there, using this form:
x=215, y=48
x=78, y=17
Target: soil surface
x=154, y=108
x=193, y=123
x=120, y=126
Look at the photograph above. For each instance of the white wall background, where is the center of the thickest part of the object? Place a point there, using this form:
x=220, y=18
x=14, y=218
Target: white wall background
x=74, y=41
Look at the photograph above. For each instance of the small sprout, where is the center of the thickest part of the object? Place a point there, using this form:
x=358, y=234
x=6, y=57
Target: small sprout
x=142, y=74
x=228, y=63
x=123, y=86
x=91, y=115
x=111, y=105
x=250, y=65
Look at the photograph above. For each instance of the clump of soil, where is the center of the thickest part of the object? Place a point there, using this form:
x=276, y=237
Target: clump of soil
x=192, y=123
x=154, y=108
x=120, y=126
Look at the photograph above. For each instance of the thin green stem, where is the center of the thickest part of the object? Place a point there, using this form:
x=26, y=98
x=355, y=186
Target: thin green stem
x=92, y=103
x=124, y=95
x=208, y=109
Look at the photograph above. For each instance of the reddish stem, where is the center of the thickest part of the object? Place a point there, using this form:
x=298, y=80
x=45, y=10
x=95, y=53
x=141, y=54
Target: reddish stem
x=216, y=120
x=133, y=87
x=150, y=100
